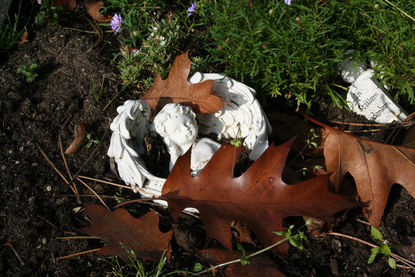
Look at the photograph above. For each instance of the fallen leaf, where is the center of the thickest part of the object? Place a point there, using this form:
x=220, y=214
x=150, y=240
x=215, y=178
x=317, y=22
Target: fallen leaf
x=119, y=228
x=177, y=89
x=80, y=137
x=70, y=5
x=374, y=166
x=258, y=265
x=244, y=233
x=23, y=37
x=93, y=8
x=258, y=198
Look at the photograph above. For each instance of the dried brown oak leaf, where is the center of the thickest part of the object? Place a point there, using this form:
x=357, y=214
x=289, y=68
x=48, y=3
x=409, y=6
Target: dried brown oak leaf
x=177, y=89
x=93, y=7
x=375, y=167
x=258, y=198
x=119, y=228
x=80, y=138
x=70, y=5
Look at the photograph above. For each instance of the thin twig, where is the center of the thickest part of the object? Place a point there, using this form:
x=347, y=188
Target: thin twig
x=87, y=195
x=78, y=237
x=368, y=124
x=78, y=200
x=98, y=29
x=92, y=153
x=100, y=199
x=104, y=182
x=57, y=170
x=363, y=222
x=14, y=251
x=87, y=32
x=402, y=11
x=238, y=260
x=372, y=130
x=397, y=257
x=115, y=97
x=77, y=254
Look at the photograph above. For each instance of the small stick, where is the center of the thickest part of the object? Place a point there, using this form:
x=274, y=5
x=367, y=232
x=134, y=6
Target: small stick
x=57, y=170
x=87, y=32
x=363, y=222
x=372, y=130
x=86, y=195
x=78, y=200
x=402, y=11
x=78, y=237
x=104, y=182
x=92, y=153
x=100, y=199
x=98, y=30
x=115, y=97
x=77, y=254
x=14, y=251
x=367, y=124
x=405, y=261
x=47, y=221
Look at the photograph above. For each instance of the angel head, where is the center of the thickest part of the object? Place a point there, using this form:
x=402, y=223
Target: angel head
x=178, y=127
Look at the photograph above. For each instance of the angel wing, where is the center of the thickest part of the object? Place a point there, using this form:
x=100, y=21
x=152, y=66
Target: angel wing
x=241, y=107
x=129, y=128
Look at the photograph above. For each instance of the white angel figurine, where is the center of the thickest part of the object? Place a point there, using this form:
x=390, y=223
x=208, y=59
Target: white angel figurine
x=177, y=125
x=240, y=118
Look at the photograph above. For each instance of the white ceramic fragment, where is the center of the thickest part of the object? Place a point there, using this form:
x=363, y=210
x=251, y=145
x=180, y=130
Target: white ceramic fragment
x=240, y=107
x=366, y=96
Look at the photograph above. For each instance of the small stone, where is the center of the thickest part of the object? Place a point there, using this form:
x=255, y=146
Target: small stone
x=3, y=167
x=44, y=240
x=49, y=188
x=32, y=202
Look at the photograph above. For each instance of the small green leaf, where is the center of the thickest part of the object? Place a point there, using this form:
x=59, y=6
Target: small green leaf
x=236, y=142
x=244, y=261
x=241, y=248
x=392, y=263
x=384, y=249
x=309, y=221
x=296, y=242
x=376, y=234
x=197, y=267
x=373, y=253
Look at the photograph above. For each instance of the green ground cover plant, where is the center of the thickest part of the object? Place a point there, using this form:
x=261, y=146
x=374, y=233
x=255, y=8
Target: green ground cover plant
x=294, y=50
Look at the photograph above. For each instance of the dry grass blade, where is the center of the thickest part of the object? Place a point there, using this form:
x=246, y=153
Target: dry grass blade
x=78, y=237
x=78, y=199
x=57, y=170
x=404, y=123
x=14, y=251
x=99, y=198
x=104, y=182
x=78, y=254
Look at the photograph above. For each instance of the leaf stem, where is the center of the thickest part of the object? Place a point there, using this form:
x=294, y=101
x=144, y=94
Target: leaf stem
x=239, y=260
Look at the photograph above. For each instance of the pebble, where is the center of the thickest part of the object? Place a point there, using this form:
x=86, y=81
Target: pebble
x=32, y=202
x=3, y=167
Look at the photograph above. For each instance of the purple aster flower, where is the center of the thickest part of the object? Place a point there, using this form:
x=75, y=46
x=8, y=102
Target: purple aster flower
x=287, y=2
x=116, y=22
x=191, y=10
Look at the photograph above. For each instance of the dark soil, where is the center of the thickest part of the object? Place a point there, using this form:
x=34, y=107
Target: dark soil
x=38, y=207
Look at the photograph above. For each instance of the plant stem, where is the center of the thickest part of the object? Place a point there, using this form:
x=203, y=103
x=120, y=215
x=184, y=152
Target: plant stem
x=409, y=263
x=239, y=260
